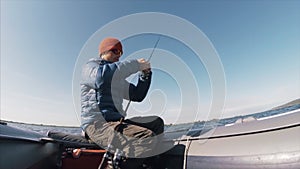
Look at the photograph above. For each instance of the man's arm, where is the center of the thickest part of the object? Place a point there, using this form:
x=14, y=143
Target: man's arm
x=138, y=93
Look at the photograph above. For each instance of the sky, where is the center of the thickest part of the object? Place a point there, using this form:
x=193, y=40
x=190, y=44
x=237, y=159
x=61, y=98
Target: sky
x=243, y=59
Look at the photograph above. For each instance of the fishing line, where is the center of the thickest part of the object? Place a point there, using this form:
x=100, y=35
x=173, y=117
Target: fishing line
x=153, y=49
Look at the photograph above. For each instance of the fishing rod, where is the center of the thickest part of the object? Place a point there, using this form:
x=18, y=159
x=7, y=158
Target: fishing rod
x=147, y=61
x=153, y=49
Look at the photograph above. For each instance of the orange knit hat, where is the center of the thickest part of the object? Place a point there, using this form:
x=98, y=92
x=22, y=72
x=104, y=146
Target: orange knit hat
x=109, y=44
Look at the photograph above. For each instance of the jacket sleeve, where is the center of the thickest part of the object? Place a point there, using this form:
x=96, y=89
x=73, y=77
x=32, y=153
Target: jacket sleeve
x=138, y=93
x=116, y=72
x=89, y=73
x=126, y=68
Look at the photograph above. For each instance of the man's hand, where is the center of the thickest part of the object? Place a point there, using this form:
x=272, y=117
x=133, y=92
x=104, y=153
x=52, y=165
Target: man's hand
x=144, y=65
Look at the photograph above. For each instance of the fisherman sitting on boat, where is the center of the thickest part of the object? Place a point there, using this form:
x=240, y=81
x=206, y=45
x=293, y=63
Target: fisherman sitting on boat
x=103, y=88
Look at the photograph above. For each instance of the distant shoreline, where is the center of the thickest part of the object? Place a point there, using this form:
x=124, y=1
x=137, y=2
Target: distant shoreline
x=288, y=104
x=291, y=103
x=46, y=125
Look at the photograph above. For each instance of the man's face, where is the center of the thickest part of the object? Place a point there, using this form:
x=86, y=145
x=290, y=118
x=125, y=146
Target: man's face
x=112, y=55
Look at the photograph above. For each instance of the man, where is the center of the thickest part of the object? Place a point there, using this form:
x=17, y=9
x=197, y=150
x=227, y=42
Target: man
x=103, y=88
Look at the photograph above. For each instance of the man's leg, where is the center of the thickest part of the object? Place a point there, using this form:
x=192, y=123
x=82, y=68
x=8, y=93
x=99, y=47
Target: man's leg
x=154, y=123
x=135, y=141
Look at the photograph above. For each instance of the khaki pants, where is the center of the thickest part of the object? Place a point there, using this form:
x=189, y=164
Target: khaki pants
x=137, y=137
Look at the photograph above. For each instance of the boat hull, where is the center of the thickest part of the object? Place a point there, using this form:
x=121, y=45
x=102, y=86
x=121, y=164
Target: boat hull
x=24, y=149
x=288, y=160
x=270, y=144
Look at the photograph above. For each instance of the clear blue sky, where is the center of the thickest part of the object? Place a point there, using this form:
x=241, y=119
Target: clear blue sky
x=258, y=43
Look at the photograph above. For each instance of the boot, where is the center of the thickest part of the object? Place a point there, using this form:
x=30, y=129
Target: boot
x=109, y=165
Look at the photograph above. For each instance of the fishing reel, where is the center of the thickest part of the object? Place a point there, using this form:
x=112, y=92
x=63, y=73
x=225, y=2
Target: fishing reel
x=112, y=160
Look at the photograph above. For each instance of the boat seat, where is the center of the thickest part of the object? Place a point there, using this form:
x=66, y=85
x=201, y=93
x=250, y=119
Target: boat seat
x=71, y=140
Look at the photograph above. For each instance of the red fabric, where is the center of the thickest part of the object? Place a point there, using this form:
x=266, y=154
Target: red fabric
x=110, y=43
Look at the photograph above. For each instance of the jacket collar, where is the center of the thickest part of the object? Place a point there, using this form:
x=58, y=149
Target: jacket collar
x=100, y=60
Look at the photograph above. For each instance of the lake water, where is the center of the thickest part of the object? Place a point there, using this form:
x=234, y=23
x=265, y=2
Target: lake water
x=189, y=127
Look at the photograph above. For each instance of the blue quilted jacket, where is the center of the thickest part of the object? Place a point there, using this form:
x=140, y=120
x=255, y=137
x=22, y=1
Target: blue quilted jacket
x=104, y=86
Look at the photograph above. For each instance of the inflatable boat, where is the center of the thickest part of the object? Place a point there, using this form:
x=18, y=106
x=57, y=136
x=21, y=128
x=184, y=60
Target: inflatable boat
x=268, y=143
